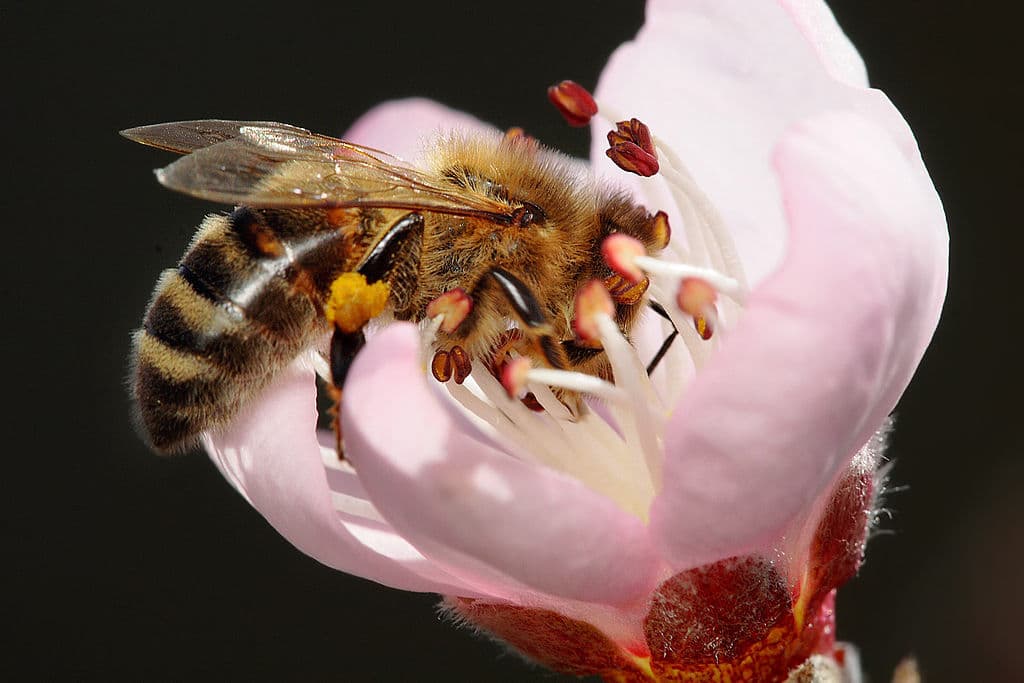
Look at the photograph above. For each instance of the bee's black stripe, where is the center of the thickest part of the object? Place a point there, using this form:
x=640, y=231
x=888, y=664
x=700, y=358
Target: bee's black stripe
x=198, y=284
x=235, y=351
x=177, y=394
x=165, y=323
x=207, y=267
x=168, y=431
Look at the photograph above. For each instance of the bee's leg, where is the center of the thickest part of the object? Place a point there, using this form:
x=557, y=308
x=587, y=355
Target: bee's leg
x=534, y=323
x=356, y=298
x=353, y=302
x=344, y=347
x=399, y=244
x=624, y=292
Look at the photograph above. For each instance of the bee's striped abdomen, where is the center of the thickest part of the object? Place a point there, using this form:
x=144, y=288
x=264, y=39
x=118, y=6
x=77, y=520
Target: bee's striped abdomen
x=243, y=302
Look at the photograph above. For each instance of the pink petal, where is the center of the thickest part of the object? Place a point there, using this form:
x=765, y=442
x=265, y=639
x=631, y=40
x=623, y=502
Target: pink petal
x=720, y=81
x=835, y=50
x=406, y=128
x=270, y=454
x=481, y=513
x=823, y=352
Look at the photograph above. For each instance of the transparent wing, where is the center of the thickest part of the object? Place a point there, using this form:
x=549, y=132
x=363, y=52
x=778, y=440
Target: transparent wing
x=183, y=137
x=273, y=165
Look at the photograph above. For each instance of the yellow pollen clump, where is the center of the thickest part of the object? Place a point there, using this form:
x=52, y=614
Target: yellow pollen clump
x=353, y=301
x=703, y=328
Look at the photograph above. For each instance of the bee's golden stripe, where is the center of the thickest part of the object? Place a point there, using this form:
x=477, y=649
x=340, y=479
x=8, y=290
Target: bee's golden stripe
x=176, y=365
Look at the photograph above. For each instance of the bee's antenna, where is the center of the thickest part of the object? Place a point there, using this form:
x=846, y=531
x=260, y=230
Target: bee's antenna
x=665, y=345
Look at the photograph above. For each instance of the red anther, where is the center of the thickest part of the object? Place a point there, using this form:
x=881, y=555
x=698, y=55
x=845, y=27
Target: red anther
x=703, y=327
x=441, y=366
x=695, y=296
x=462, y=364
x=661, y=230
x=455, y=305
x=513, y=375
x=620, y=251
x=531, y=402
x=591, y=301
x=635, y=131
x=574, y=102
x=631, y=157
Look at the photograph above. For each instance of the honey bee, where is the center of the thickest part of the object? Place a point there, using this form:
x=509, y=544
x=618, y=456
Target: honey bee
x=327, y=235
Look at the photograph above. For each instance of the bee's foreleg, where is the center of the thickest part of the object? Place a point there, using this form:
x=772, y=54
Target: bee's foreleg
x=534, y=322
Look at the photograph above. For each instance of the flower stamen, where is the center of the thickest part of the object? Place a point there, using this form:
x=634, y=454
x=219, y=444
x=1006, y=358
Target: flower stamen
x=441, y=366
x=574, y=102
x=620, y=251
x=592, y=300
x=696, y=297
x=453, y=306
x=635, y=131
x=646, y=412
x=583, y=446
x=631, y=148
x=661, y=229
x=513, y=376
x=681, y=271
x=681, y=180
x=632, y=158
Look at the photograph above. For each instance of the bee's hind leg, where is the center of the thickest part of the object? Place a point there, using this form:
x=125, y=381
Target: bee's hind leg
x=343, y=350
x=352, y=303
x=357, y=297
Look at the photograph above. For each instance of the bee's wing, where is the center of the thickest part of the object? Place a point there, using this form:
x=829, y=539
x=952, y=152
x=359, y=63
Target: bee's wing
x=252, y=168
x=183, y=137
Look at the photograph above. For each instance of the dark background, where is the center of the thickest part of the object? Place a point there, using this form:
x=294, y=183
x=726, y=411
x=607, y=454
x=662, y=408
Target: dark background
x=123, y=565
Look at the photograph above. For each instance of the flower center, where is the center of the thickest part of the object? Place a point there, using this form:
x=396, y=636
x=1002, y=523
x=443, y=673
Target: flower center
x=614, y=445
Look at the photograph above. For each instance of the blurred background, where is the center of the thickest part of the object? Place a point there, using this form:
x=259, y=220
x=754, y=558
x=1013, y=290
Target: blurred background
x=122, y=565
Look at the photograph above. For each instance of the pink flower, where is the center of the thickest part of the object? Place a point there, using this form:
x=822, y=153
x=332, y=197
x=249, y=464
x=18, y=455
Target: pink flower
x=707, y=529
